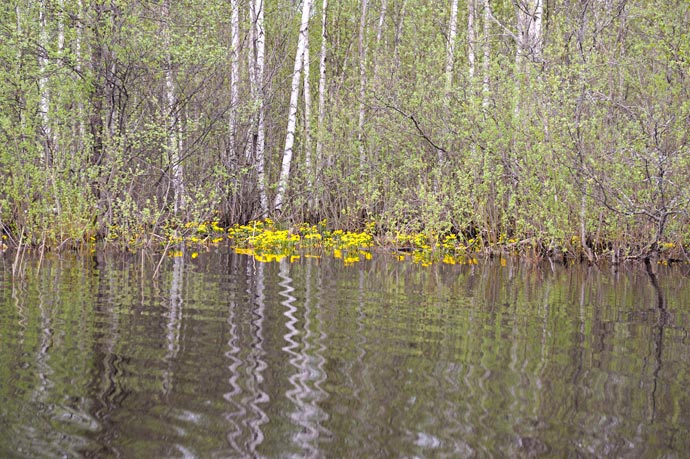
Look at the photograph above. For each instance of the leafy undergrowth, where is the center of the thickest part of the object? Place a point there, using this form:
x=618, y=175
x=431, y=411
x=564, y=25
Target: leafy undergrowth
x=269, y=241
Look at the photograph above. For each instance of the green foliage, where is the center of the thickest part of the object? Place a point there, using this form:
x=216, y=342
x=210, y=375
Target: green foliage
x=589, y=134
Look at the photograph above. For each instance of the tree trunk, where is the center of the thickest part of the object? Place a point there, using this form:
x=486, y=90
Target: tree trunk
x=292, y=114
x=529, y=42
x=379, y=38
x=44, y=101
x=398, y=33
x=471, y=33
x=173, y=118
x=362, y=84
x=322, y=91
x=486, y=62
x=234, y=82
x=260, y=36
x=307, y=122
x=61, y=26
x=450, y=57
x=97, y=93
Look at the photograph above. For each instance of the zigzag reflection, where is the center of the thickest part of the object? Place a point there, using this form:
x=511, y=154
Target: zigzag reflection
x=256, y=365
x=238, y=415
x=305, y=394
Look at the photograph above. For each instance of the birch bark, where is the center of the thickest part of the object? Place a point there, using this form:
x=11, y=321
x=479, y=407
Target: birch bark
x=44, y=101
x=529, y=24
x=307, y=120
x=529, y=42
x=362, y=84
x=486, y=62
x=322, y=89
x=450, y=58
x=292, y=114
x=173, y=118
x=234, y=81
x=379, y=37
x=258, y=20
x=471, y=35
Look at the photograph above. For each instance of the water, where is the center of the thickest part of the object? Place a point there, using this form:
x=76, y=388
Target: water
x=221, y=356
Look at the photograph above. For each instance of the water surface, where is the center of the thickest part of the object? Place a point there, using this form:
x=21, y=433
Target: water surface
x=222, y=356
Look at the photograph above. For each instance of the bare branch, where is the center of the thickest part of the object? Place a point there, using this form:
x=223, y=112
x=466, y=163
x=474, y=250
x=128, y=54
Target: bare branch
x=421, y=132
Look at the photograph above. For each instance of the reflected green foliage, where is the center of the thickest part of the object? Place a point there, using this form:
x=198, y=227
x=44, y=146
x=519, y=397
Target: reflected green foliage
x=224, y=356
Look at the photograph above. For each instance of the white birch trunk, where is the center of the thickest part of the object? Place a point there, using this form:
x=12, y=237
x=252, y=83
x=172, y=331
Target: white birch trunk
x=450, y=46
x=292, y=114
x=61, y=26
x=322, y=90
x=362, y=84
x=450, y=59
x=307, y=120
x=258, y=10
x=536, y=37
x=379, y=38
x=529, y=23
x=486, y=62
x=234, y=81
x=250, y=146
x=382, y=19
x=81, y=125
x=173, y=118
x=471, y=36
x=44, y=94
x=529, y=41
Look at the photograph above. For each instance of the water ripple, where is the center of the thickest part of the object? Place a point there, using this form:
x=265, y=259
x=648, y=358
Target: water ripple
x=256, y=365
x=234, y=418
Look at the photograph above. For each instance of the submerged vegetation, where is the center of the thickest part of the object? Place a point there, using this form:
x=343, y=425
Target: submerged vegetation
x=438, y=129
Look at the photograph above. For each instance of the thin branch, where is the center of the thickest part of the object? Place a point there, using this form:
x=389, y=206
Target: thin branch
x=421, y=132
x=506, y=29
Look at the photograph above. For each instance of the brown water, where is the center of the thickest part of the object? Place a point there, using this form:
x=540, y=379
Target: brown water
x=222, y=356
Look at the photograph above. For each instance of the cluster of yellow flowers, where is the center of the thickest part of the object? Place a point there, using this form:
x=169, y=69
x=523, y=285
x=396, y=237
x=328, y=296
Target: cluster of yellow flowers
x=265, y=242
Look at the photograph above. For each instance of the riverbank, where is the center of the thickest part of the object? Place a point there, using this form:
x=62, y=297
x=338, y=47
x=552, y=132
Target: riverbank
x=270, y=241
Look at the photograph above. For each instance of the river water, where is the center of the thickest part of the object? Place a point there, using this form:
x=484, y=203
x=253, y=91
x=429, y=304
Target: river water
x=222, y=356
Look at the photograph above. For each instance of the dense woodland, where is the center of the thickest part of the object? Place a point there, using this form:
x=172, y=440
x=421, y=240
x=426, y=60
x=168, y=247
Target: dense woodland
x=562, y=124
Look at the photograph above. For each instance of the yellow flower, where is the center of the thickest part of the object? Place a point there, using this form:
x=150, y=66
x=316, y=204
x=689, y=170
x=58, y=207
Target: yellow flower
x=194, y=255
x=241, y=251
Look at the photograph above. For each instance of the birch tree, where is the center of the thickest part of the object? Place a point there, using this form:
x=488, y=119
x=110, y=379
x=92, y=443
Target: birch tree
x=486, y=61
x=450, y=55
x=292, y=113
x=173, y=117
x=528, y=42
x=234, y=80
x=379, y=38
x=260, y=44
x=471, y=33
x=322, y=89
x=362, y=83
x=307, y=120
x=44, y=103
x=529, y=26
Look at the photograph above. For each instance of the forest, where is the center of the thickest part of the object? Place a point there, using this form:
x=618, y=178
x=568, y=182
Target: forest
x=554, y=125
